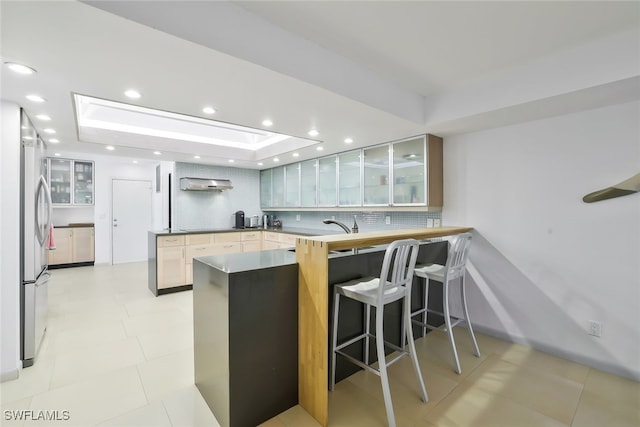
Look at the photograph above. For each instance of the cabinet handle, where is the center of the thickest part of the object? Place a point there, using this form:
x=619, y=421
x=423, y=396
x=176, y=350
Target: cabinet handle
x=200, y=249
x=228, y=246
x=171, y=240
x=182, y=252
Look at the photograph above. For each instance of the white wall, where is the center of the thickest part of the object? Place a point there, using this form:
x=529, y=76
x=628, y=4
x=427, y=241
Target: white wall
x=106, y=169
x=544, y=263
x=10, y=241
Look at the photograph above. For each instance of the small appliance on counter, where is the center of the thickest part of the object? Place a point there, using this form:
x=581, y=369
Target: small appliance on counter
x=254, y=221
x=265, y=221
x=276, y=224
x=239, y=219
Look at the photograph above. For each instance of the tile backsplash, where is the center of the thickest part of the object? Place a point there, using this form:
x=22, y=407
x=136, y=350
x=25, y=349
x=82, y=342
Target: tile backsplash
x=367, y=220
x=214, y=209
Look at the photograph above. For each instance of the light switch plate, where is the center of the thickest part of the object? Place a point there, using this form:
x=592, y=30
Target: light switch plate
x=297, y=217
x=429, y=222
x=436, y=222
x=387, y=219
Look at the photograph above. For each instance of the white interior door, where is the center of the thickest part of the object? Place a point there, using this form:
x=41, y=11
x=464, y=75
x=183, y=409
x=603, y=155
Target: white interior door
x=131, y=220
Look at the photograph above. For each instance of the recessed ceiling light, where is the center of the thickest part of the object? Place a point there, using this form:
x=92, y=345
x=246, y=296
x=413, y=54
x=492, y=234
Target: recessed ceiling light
x=54, y=140
x=196, y=157
x=231, y=160
x=411, y=156
x=313, y=132
x=110, y=147
x=348, y=140
x=35, y=98
x=133, y=94
x=320, y=148
x=57, y=154
x=275, y=159
x=19, y=68
x=135, y=162
x=267, y=122
x=49, y=130
x=295, y=154
x=260, y=163
x=28, y=138
x=209, y=110
x=157, y=153
x=43, y=117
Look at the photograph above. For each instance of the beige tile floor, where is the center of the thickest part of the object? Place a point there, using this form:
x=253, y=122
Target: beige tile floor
x=114, y=355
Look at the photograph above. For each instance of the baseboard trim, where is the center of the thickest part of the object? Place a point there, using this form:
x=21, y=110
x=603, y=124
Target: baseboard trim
x=621, y=371
x=10, y=375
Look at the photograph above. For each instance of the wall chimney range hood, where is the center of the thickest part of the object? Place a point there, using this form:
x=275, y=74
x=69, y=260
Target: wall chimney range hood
x=204, y=184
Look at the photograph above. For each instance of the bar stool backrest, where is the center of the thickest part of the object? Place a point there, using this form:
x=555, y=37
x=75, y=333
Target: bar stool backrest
x=397, y=266
x=458, y=254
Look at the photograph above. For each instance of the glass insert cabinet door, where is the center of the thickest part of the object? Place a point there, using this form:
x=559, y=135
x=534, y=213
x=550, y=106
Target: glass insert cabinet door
x=292, y=176
x=277, y=195
x=60, y=170
x=265, y=188
x=376, y=175
x=308, y=183
x=327, y=181
x=409, y=172
x=349, y=179
x=82, y=183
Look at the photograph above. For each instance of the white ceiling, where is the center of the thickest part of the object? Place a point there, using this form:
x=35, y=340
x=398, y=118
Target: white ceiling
x=372, y=71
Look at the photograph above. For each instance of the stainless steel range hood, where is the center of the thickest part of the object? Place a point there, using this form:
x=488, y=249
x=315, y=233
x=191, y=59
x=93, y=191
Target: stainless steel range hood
x=204, y=184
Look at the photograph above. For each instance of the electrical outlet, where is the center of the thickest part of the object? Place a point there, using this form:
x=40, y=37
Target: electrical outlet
x=333, y=217
x=436, y=222
x=595, y=328
x=297, y=217
x=430, y=222
x=387, y=219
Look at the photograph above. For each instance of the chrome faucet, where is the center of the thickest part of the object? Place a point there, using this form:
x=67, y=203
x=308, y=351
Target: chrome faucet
x=354, y=229
x=339, y=224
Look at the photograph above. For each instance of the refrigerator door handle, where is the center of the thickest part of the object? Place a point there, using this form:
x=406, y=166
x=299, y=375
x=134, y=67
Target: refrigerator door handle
x=45, y=278
x=42, y=231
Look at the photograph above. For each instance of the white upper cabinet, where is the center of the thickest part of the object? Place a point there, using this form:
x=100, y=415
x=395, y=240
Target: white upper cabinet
x=327, y=181
x=409, y=171
x=265, y=188
x=349, y=190
x=376, y=176
x=72, y=182
x=405, y=173
x=277, y=187
x=308, y=180
x=292, y=185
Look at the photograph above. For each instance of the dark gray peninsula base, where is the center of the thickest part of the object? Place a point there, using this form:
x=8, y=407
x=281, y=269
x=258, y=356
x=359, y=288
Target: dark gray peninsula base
x=246, y=326
x=246, y=335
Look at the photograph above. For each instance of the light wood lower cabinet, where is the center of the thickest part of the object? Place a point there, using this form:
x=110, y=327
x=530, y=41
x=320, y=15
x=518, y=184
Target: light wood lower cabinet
x=171, y=267
x=73, y=245
x=175, y=253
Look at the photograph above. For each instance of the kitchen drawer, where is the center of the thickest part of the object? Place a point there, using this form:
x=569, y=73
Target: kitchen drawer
x=194, y=251
x=251, y=235
x=288, y=238
x=167, y=241
x=227, y=237
x=251, y=246
x=269, y=245
x=227, y=248
x=199, y=239
x=270, y=236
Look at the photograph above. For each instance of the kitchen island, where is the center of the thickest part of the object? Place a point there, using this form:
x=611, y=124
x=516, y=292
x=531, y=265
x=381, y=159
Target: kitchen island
x=252, y=314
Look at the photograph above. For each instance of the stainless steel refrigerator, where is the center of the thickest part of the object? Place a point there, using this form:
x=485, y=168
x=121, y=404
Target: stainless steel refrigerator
x=35, y=224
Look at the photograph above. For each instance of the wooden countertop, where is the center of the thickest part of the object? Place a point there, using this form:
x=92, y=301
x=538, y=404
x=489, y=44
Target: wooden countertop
x=312, y=255
x=371, y=238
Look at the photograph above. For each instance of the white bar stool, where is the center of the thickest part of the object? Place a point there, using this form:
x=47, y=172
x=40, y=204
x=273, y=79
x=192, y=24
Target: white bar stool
x=391, y=286
x=454, y=268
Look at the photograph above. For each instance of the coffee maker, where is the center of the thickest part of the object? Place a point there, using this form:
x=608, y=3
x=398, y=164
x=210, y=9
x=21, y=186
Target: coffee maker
x=239, y=219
